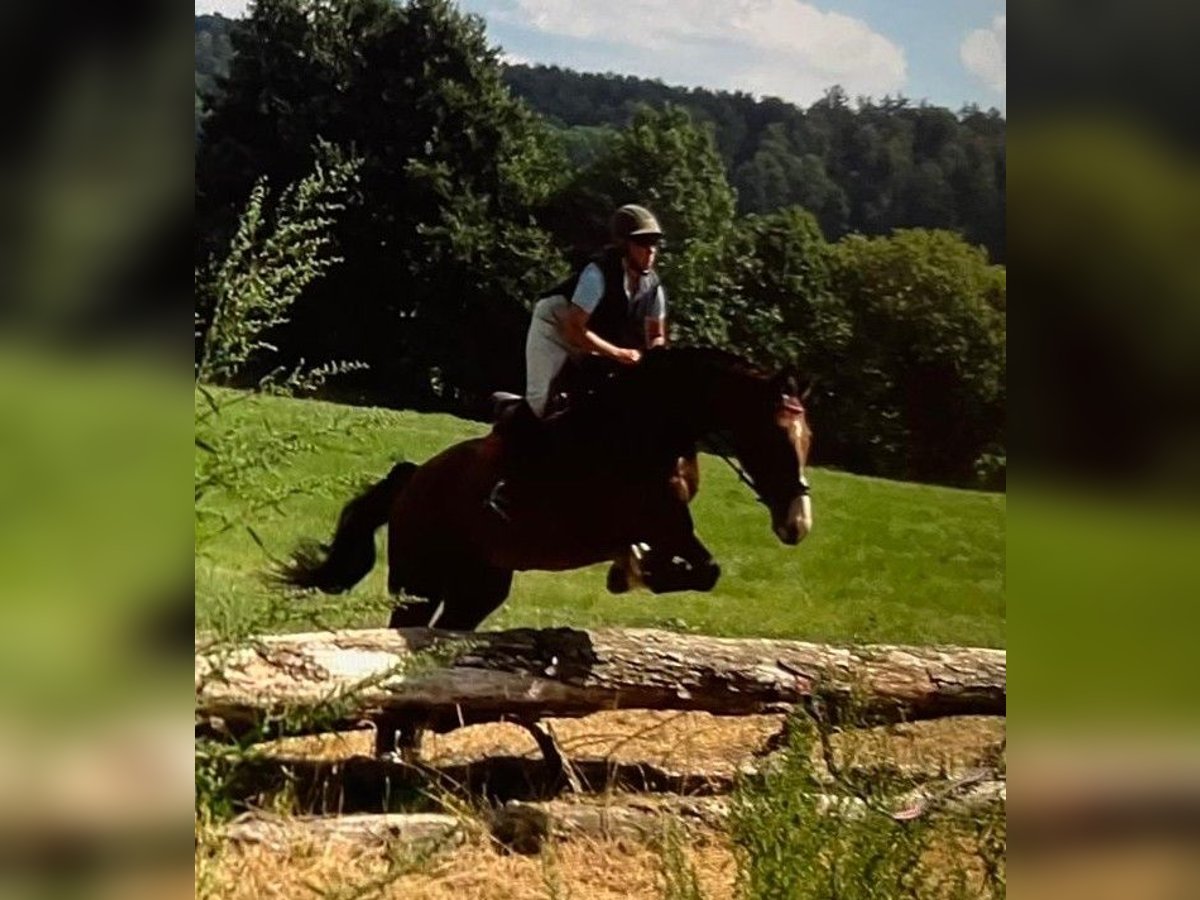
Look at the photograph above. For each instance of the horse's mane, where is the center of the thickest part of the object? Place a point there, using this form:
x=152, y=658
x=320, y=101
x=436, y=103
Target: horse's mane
x=711, y=357
x=690, y=364
x=626, y=415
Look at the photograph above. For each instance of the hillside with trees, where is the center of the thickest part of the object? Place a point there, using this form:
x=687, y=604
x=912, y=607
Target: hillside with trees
x=214, y=51
x=868, y=166
x=847, y=240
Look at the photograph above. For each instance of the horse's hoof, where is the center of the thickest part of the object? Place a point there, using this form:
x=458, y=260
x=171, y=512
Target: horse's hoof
x=618, y=580
x=709, y=575
x=680, y=576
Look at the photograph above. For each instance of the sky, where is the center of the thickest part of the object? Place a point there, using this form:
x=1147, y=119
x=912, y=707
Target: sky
x=949, y=52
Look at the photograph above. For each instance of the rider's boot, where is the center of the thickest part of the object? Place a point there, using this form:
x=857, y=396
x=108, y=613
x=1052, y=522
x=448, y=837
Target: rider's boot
x=520, y=431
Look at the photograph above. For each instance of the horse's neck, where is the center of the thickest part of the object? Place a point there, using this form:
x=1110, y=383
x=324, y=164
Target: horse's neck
x=682, y=404
x=628, y=429
x=655, y=414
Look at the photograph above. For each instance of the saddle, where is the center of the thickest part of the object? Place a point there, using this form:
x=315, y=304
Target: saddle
x=574, y=385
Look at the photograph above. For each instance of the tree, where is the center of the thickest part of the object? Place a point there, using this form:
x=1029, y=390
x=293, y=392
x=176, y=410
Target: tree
x=778, y=309
x=920, y=384
x=213, y=52
x=438, y=256
x=282, y=246
x=668, y=162
x=243, y=299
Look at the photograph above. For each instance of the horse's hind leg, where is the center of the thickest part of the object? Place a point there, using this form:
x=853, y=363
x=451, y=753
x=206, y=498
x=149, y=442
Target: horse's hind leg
x=420, y=596
x=685, y=478
x=625, y=573
x=476, y=591
x=455, y=594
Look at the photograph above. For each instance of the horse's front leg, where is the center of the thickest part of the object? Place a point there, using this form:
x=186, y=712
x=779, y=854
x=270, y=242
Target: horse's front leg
x=625, y=573
x=669, y=556
x=685, y=478
x=689, y=567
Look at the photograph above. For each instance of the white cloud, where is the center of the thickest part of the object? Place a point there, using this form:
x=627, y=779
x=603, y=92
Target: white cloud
x=514, y=59
x=985, y=53
x=784, y=48
x=230, y=9
x=781, y=47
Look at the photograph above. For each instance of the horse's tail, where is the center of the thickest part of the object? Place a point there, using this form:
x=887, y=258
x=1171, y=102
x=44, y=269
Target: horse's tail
x=341, y=564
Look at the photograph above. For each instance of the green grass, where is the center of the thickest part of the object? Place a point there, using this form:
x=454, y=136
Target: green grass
x=887, y=561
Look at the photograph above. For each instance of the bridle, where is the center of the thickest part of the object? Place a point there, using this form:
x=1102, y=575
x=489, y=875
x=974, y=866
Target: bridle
x=723, y=449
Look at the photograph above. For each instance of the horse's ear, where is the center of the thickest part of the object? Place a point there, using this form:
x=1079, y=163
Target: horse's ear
x=790, y=383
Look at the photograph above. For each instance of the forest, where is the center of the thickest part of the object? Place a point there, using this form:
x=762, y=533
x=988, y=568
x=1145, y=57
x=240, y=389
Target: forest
x=860, y=241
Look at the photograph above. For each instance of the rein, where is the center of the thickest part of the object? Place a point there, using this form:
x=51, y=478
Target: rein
x=725, y=451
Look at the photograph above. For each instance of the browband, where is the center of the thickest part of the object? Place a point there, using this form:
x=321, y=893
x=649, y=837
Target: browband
x=792, y=405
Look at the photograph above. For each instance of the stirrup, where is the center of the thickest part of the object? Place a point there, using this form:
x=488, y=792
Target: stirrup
x=503, y=402
x=637, y=561
x=496, y=502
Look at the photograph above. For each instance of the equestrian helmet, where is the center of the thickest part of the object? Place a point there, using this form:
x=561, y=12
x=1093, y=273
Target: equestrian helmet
x=632, y=220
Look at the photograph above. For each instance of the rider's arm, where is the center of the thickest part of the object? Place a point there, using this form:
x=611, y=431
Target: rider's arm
x=656, y=332
x=575, y=331
x=656, y=320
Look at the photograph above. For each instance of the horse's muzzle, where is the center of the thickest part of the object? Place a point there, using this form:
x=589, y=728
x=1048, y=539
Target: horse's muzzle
x=796, y=523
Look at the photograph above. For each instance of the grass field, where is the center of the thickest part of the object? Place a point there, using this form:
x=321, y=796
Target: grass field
x=887, y=561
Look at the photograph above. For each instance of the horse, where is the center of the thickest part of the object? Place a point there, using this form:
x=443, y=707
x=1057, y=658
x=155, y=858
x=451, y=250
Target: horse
x=601, y=485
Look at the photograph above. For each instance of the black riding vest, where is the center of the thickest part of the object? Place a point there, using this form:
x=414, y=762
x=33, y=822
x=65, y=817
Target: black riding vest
x=611, y=318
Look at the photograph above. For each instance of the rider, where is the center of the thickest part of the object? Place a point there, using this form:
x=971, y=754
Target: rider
x=614, y=307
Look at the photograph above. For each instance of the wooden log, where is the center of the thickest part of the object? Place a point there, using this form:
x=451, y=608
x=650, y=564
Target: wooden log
x=412, y=830
x=523, y=825
x=327, y=680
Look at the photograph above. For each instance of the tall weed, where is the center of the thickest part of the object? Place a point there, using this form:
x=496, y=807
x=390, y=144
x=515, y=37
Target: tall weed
x=800, y=834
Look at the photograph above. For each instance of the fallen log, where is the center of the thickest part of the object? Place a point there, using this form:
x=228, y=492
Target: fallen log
x=443, y=680
x=524, y=825
x=412, y=830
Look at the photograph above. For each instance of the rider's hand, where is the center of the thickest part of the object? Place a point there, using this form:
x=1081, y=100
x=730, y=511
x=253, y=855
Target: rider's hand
x=630, y=357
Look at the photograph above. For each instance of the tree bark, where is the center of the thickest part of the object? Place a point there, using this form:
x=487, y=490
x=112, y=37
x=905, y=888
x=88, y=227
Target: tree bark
x=523, y=825
x=409, y=829
x=442, y=680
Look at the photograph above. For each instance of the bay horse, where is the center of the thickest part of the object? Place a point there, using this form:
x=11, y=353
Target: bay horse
x=603, y=480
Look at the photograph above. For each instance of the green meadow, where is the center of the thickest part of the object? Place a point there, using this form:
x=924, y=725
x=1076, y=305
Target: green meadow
x=886, y=561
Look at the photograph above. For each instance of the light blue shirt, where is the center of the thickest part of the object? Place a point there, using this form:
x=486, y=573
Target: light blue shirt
x=590, y=288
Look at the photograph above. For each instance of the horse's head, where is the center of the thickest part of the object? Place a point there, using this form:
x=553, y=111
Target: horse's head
x=713, y=392
x=772, y=440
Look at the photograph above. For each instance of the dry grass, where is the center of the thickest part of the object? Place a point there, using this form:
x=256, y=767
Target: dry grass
x=934, y=747
x=581, y=869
